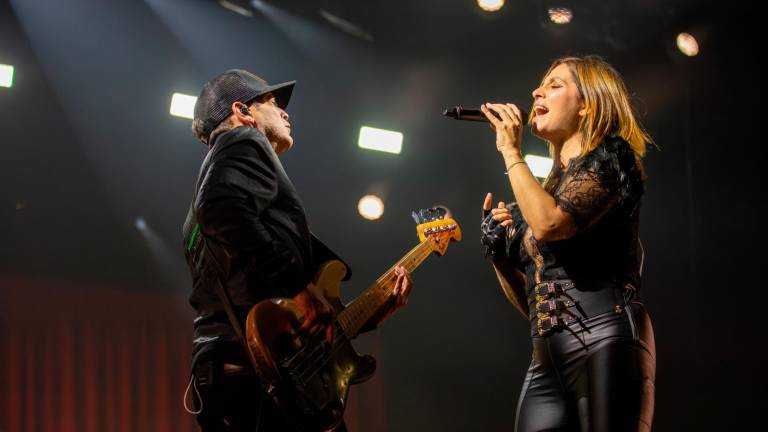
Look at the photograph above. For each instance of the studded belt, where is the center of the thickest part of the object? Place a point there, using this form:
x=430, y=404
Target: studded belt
x=557, y=304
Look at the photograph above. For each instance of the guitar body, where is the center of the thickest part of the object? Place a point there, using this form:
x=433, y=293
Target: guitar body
x=309, y=378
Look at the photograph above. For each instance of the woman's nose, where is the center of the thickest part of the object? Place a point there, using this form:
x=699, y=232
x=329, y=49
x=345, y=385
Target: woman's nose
x=537, y=93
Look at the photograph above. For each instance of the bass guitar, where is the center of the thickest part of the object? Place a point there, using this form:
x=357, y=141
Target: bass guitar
x=308, y=377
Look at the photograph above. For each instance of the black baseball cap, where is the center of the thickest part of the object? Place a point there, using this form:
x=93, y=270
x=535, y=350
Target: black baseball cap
x=215, y=101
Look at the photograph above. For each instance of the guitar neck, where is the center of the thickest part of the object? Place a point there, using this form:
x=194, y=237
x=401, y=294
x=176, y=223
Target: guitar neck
x=361, y=309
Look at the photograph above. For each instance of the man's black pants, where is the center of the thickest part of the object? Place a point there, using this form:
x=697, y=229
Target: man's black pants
x=235, y=402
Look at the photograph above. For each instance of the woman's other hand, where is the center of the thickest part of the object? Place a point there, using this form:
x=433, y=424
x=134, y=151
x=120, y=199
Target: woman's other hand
x=493, y=228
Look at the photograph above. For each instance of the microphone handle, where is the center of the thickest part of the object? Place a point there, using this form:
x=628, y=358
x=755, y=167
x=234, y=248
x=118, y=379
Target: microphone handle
x=474, y=114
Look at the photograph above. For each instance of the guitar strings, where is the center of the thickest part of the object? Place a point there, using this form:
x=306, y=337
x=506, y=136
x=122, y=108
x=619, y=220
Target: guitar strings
x=384, y=282
x=318, y=363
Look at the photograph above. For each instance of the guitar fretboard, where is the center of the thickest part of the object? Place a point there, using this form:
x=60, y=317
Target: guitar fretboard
x=359, y=311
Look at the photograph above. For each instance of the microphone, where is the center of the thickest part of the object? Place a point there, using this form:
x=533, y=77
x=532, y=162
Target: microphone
x=474, y=114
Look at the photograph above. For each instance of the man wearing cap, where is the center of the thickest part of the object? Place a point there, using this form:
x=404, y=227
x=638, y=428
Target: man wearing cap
x=247, y=234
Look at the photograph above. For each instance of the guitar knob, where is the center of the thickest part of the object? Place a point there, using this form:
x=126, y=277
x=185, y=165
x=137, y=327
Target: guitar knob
x=326, y=380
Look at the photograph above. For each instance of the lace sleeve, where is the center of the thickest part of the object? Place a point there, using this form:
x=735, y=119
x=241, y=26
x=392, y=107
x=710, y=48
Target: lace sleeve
x=602, y=180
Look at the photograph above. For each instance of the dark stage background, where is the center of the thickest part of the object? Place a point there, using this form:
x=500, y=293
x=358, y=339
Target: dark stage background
x=94, y=323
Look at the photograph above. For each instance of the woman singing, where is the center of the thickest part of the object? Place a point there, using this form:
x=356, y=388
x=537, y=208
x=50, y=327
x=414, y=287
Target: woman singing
x=567, y=256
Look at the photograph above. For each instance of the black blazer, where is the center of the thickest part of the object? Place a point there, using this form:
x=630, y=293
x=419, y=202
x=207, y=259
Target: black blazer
x=249, y=213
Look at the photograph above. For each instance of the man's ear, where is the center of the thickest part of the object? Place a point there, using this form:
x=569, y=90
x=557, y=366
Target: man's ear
x=241, y=112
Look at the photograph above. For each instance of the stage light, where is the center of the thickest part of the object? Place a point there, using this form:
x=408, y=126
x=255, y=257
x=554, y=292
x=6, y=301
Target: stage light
x=6, y=75
x=560, y=15
x=380, y=139
x=183, y=105
x=687, y=44
x=490, y=5
x=347, y=26
x=236, y=8
x=141, y=224
x=370, y=207
x=540, y=166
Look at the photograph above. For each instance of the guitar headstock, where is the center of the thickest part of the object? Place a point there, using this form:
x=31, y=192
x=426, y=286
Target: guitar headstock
x=436, y=226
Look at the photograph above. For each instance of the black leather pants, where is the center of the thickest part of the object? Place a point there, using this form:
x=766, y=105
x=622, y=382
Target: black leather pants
x=596, y=377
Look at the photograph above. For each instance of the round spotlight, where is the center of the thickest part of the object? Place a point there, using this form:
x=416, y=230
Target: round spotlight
x=490, y=5
x=687, y=44
x=141, y=224
x=560, y=15
x=370, y=207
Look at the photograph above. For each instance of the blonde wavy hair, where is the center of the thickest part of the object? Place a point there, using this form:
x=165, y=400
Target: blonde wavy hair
x=605, y=98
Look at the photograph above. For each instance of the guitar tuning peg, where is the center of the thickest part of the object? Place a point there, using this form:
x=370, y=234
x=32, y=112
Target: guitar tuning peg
x=429, y=214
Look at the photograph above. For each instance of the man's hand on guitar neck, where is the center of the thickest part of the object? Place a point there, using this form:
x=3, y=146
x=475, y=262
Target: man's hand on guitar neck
x=403, y=286
x=318, y=313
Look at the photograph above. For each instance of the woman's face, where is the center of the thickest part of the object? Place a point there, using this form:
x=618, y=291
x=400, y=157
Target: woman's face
x=557, y=106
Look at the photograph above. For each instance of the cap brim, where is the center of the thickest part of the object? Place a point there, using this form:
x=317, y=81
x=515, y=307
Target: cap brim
x=282, y=92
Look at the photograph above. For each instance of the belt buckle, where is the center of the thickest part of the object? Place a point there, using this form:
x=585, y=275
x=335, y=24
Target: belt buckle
x=552, y=322
x=546, y=306
x=557, y=304
x=551, y=288
x=554, y=287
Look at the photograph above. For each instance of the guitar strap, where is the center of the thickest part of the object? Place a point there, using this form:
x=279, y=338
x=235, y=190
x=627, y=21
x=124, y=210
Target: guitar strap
x=227, y=303
x=199, y=246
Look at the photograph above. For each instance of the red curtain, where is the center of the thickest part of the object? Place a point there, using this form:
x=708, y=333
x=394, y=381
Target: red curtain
x=98, y=359
x=80, y=359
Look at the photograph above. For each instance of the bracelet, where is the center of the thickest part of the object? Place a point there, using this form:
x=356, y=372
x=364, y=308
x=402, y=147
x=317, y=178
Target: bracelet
x=512, y=165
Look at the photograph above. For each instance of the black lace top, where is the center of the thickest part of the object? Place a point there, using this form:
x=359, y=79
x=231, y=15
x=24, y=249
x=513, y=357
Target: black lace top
x=601, y=191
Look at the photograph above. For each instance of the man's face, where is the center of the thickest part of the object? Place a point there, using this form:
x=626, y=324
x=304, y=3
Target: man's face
x=273, y=121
